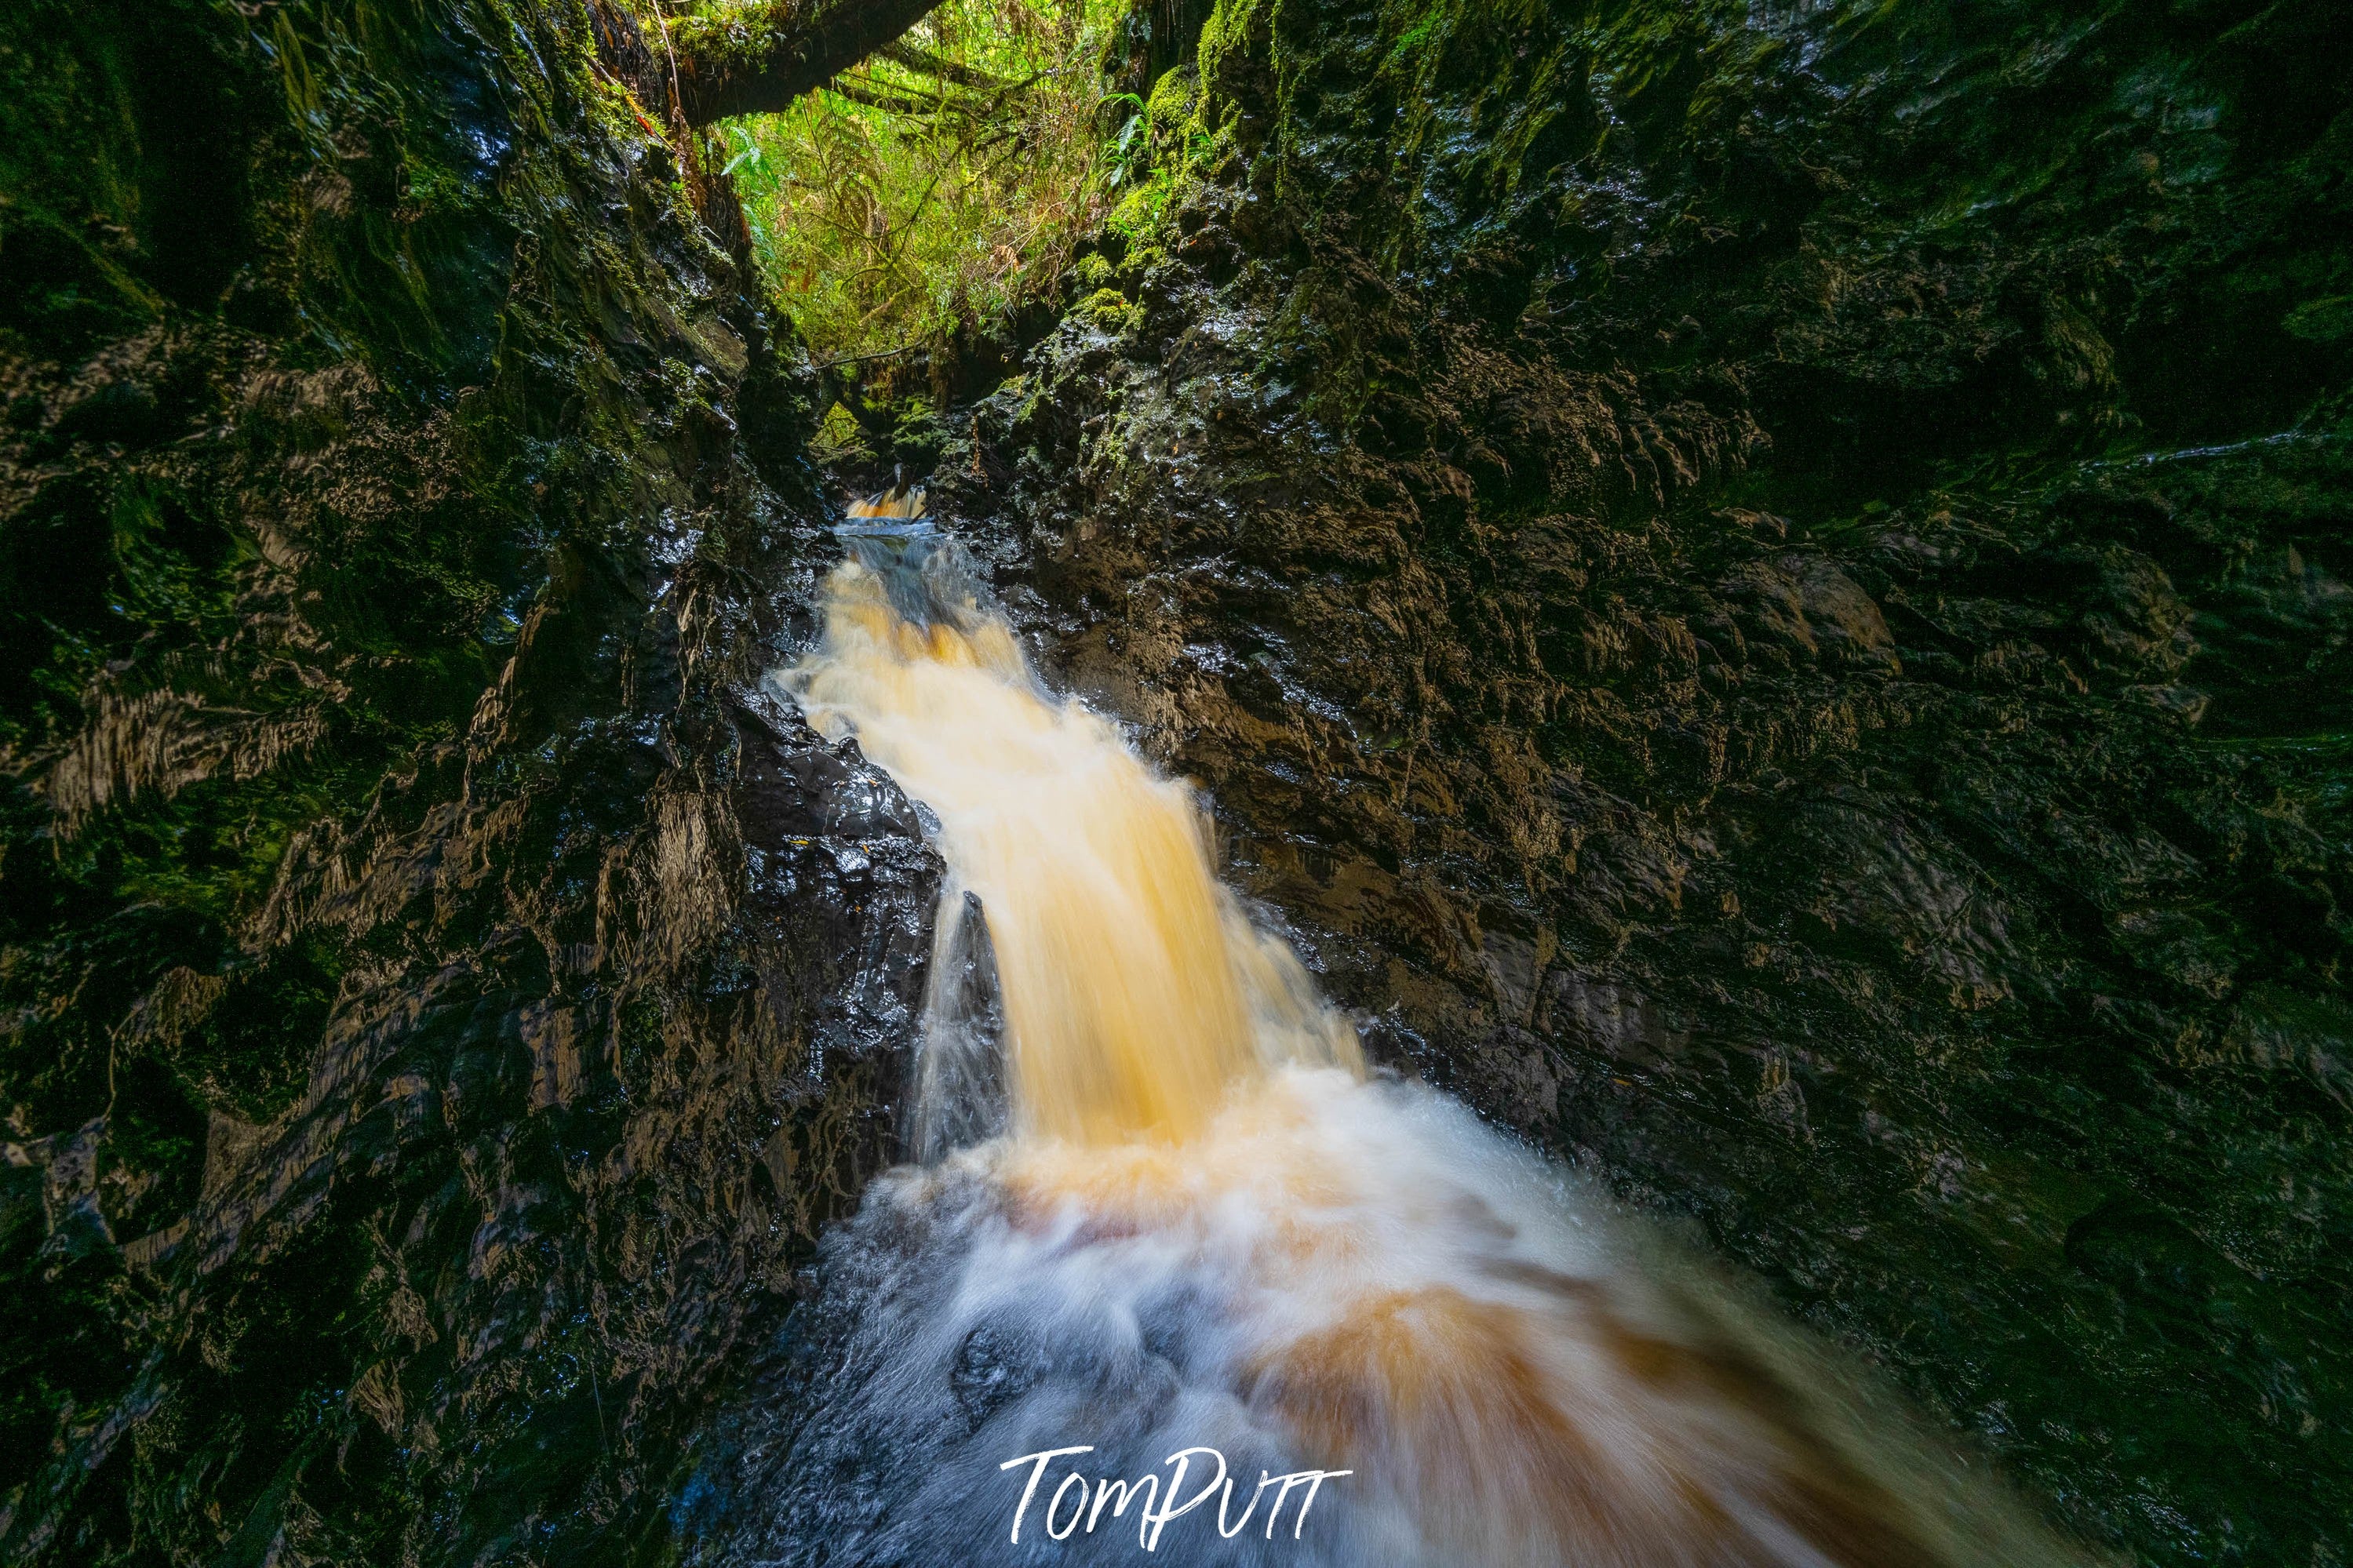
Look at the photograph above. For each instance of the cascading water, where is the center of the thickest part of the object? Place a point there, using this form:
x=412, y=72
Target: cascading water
x=1179, y=1278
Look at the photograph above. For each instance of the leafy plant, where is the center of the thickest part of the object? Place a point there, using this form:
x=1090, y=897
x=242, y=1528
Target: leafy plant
x=944, y=184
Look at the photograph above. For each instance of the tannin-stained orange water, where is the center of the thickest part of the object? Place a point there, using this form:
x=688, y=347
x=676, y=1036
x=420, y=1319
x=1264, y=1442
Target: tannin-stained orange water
x=1137, y=996
x=1205, y=1224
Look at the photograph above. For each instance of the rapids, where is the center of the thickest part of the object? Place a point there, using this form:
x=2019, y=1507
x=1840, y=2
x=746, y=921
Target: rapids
x=1164, y=1209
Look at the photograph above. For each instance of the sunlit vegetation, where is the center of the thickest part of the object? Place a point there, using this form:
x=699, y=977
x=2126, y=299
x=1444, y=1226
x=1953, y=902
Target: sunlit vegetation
x=944, y=183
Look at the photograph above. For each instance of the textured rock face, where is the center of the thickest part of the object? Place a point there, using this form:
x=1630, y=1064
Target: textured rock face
x=443, y=995
x=1765, y=585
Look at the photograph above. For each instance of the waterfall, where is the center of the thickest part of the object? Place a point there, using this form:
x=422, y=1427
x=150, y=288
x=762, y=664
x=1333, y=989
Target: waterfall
x=1178, y=1275
x=1137, y=997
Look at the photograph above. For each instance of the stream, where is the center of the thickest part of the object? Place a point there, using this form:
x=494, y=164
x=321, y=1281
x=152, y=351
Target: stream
x=1603, y=815
x=1176, y=1273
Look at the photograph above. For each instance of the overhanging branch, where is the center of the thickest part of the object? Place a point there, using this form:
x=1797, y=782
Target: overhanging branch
x=755, y=59
x=924, y=62
x=890, y=102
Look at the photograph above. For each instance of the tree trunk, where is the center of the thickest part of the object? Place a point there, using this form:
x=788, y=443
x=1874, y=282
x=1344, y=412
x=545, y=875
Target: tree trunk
x=758, y=60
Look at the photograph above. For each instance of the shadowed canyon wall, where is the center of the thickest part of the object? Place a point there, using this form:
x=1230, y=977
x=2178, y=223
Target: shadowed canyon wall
x=442, y=1001
x=1767, y=586
x=1763, y=586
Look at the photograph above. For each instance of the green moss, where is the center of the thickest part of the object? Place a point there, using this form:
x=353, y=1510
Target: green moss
x=1107, y=309
x=1170, y=109
x=2322, y=321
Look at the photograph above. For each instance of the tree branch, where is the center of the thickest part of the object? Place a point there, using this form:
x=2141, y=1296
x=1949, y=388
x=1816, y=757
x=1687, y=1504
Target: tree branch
x=924, y=62
x=867, y=93
x=757, y=58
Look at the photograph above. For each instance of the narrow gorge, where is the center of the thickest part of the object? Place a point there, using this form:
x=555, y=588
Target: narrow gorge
x=1586, y=786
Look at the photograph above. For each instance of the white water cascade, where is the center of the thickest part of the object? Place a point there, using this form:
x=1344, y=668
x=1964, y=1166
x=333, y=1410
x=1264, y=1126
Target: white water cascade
x=1291, y=1312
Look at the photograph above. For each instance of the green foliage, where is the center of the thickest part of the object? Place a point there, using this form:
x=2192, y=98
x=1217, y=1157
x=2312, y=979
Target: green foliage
x=937, y=190
x=838, y=438
x=1155, y=151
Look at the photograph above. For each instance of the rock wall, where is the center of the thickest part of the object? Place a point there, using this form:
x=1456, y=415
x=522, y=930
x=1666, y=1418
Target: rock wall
x=443, y=995
x=1765, y=585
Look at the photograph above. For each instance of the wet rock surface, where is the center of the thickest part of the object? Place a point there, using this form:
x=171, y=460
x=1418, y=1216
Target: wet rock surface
x=1765, y=588
x=445, y=995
